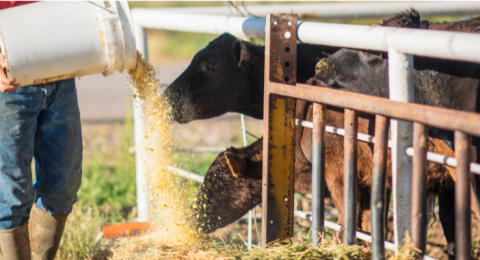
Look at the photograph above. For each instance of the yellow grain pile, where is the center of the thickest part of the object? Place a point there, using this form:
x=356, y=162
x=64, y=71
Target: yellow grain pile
x=168, y=200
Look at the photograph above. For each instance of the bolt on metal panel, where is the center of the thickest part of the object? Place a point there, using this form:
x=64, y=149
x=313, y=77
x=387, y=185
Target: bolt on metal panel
x=279, y=114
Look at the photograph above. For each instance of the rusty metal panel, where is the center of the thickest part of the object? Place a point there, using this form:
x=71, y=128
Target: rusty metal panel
x=279, y=142
x=433, y=116
x=418, y=219
x=462, y=197
x=283, y=51
x=318, y=172
x=350, y=176
x=379, y=203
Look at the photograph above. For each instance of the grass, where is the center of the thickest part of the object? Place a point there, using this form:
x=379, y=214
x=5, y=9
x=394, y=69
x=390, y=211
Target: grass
x=109, y=173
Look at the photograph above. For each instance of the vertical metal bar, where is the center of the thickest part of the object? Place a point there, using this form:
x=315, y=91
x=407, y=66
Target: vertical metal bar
x=350, y=175
x=378, y=202
x=318, y=172
x=462, y=197
x=244, y=130
x=279, y=142
x=419, y=188
x=249, y=222
x=143, y=204
x=400, y=77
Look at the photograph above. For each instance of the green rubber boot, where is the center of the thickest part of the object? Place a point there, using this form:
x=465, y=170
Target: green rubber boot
x=45, y=233
x=14, y=243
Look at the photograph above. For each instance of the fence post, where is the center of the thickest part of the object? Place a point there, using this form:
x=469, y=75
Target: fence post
x=249, y=221
x=279, y=135
x=318, y=172
x=419, y=188
x=350, y=176
x=143, y=204
x=463, y=243
x=400, y=74
x=379, y=204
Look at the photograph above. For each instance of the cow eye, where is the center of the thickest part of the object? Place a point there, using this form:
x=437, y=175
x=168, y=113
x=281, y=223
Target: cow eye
x=210, y=66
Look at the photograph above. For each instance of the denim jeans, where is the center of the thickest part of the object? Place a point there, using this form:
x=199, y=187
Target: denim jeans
x=41, y=121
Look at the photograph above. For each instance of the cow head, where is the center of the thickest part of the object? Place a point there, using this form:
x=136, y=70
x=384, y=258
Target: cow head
x=220, y=79
x=232, y=186
x=354, y=71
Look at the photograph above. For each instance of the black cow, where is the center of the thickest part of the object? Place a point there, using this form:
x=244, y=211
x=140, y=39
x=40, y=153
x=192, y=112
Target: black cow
x=227, y=76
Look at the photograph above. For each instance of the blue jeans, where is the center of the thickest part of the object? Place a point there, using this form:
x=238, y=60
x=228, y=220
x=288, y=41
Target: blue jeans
x=41, y=121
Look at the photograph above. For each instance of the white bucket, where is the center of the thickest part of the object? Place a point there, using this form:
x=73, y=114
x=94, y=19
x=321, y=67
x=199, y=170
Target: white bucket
x=49, y=41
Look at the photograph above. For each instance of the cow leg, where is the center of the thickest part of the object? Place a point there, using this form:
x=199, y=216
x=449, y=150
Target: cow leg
x=430, y=211
x=446, y=200
x=388, y=194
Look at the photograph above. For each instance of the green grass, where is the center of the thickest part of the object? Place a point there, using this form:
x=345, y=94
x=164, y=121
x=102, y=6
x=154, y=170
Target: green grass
x=110, y=182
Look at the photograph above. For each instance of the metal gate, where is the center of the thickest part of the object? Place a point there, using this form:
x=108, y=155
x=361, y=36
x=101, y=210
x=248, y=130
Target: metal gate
x=281, y=92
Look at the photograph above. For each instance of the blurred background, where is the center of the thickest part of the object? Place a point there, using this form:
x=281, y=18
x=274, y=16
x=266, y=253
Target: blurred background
x=108, y=191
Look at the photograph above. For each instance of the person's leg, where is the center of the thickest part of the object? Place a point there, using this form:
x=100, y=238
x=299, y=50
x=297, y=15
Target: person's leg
x=58, y=149
x=58, y=161
x=18, y=123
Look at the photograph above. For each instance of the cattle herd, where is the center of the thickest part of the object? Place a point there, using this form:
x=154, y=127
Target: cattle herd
x=228, y=76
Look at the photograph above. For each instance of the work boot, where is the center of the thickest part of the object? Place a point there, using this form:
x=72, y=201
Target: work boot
x=14, y=243
x=45, y=233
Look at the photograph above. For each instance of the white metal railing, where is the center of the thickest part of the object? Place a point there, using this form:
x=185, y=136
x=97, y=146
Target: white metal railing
x=432, y=157
x=400, y=44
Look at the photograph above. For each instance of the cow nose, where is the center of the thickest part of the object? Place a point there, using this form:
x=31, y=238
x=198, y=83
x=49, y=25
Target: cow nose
x=320, y=65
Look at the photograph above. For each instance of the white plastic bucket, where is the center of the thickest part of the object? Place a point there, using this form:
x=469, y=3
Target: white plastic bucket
x=49, y=41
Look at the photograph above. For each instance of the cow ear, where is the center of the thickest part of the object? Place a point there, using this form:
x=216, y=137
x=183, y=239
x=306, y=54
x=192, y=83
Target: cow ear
x=241, y=53
x=370, y=59
x=237, y=165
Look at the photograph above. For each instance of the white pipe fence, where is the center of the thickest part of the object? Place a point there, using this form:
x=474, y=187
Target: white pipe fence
x=337, y=10
x=397, y=41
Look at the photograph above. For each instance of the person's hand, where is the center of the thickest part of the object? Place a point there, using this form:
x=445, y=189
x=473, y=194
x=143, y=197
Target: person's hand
x=6, y=85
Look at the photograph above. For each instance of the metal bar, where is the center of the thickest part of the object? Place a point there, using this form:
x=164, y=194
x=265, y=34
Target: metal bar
x=143, y=204
x=419, y=188
x=318, y=172
x=378, y=200
x=244, y=131
x=245, y=143
x=428, y=43
x=350, y=175
x=338, y=131
x=337, y=10
x=186, y=174
x=279, y=142
x=339, y=228
x=445, y=160
x=447, y=45
x=462, y=197
x=448, y=119
x=400, y=79
x=431, y=157
x=200, y=149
